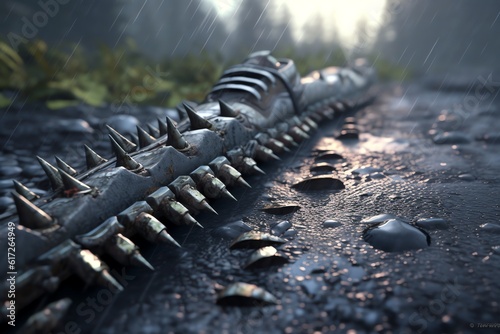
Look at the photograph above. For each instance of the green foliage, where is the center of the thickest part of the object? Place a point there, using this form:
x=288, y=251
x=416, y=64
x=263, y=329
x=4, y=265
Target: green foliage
x=387, y=71
x=64, y=78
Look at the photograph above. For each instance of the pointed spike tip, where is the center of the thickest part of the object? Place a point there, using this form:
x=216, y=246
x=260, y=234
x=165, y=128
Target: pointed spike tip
x=145, y=139
x=139, y=261
x=122, y=158
x=121, y=140
x=226, y=110
x=92, y=158
x=175, y=138
x=65, y=167
x=71, y=183
x=167, y=238
x=52, y=173
x=29, y=214
x=197, y=122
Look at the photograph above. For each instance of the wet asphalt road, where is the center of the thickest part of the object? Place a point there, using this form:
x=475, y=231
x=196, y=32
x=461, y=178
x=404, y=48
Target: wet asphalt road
x=431, y=153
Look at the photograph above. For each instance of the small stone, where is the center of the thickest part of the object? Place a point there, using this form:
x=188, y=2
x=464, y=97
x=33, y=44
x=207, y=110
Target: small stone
x=6, y=184
x=73, y=126
x=5, y=202
x=490, y=227
x=453, y=137
x=331, y=223
x=322, y=167
x=322, y=182
x=281, y=228
x=432, y=223
x=366, y=170
x=10, y=171
x=124, y=124
x=466, y=177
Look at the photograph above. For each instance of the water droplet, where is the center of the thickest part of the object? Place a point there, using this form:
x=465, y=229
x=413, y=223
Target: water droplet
x=396, y=236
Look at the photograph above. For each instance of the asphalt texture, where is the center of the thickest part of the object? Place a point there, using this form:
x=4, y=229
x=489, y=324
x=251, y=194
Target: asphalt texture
x=423, y=152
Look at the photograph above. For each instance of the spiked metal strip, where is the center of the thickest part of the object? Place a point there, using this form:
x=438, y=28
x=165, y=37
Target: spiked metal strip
x=145, y=139
x=55, y=253
x=124, y=143
x=197, y=122
x=65, y=167
x=30, y=215
x=52, y=174
x=175, y=138
x=24, y=191
x=226, y=110
x=93, y=159
x=122, y=158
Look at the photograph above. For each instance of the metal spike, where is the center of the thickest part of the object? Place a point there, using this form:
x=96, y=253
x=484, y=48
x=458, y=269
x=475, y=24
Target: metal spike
x=184, y=188
x=250, y=166
x=122, y=158
x=211, y=186
x=93, y=159
x=311, y=123
x=226, y=193
x=297, y=134
x=152, y=229
x=24, y=191
x=227, y=173
x=145, y=139
x=180, y=214
x=163, y=128
x=277, y=146
x=65, y=167
x=46, y=320
x=91, y=269
x=288, y=140
x=71, y=184
x=124, y=143
x=226, y=110
x=125, y=251
x=175, y=138
x=197, y=122
x=30, y=215
x=154, y=132
x=167, y=238
x=304, y=127
x=139, y=261
x=265, y=154
x=52, y=174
